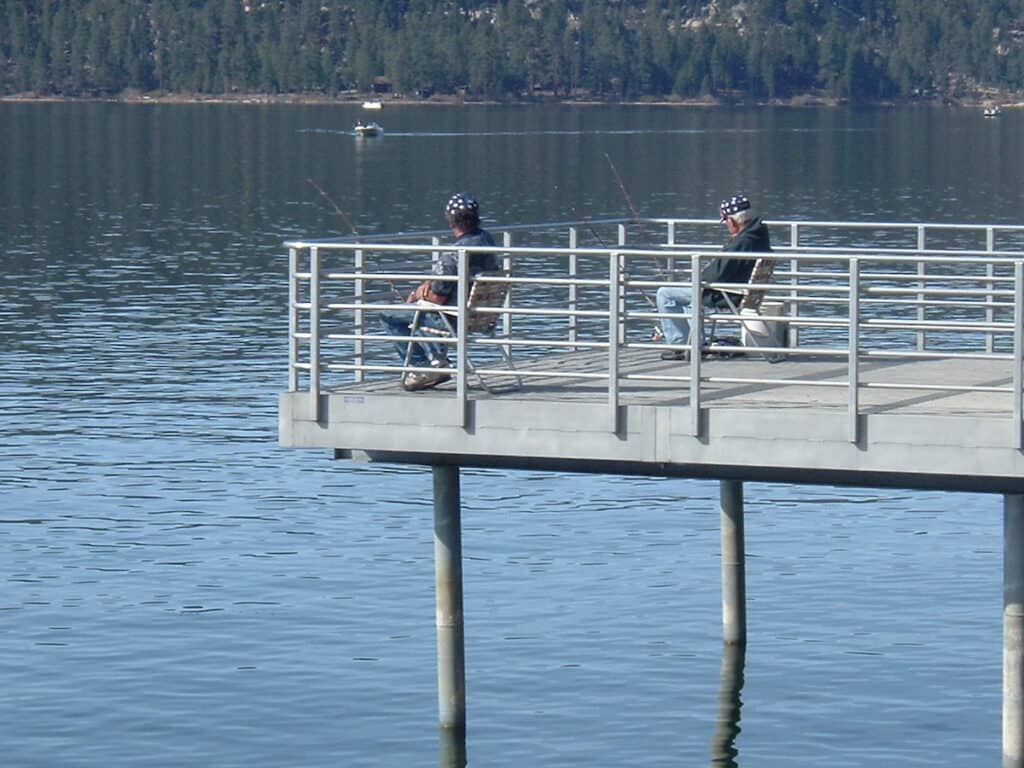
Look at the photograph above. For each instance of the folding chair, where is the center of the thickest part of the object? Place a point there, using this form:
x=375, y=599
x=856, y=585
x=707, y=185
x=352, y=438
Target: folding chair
x=483, y=294
x=745, y=304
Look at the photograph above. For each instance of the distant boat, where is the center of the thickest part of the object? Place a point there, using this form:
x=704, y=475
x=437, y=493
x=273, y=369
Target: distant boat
x=367, y=129
x=372, y=105
x=993, y=111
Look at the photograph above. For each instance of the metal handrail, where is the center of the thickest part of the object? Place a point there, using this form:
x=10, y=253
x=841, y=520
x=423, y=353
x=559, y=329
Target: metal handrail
x=561, y=308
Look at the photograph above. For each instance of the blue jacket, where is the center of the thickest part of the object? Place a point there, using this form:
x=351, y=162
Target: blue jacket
x=448, y=263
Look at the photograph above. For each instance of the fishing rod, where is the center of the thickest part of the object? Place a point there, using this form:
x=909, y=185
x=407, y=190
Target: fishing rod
x=625, y=193
x=394, y=291
x=636, y=218
x=601, y=242
x=334, y=205
x=585, y=220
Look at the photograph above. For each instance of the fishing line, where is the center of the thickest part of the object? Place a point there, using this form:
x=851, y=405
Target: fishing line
x=334, y=205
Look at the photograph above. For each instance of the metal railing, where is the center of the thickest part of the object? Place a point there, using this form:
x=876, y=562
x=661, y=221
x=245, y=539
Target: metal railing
x=850, y=291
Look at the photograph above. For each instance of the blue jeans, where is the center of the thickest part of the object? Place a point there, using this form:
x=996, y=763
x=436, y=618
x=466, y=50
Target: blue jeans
x=675, y=300
x=423, y=352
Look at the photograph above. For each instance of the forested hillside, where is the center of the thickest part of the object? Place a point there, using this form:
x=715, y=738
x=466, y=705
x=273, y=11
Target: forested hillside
x=862, y=50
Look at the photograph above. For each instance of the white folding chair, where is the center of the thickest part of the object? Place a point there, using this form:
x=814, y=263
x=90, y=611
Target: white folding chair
x=484, y=294
x=745, y=304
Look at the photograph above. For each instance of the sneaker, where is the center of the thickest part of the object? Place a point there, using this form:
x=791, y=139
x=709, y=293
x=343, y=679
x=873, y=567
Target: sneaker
x=675, y=354
x=414, y=380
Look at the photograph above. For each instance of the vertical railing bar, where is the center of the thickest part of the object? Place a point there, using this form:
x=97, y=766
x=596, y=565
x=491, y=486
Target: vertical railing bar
x=853, y=355
x=622, y=286
x=613, y=335
x=794, y=306
x=314, y=332
x=506, y=320
x=293, y=320
x=922, y=340
x=462, y=334
x=793, y=333
x=670, y=260
x=573, y=290
x=696, y=342
x=1018, y=353
x=357, y=316
x=990, y=246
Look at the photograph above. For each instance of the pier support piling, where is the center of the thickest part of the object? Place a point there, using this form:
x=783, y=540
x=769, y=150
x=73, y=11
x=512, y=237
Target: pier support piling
x=734, y=582
x=1013, y=630
x=727, y=725
x=451, y=653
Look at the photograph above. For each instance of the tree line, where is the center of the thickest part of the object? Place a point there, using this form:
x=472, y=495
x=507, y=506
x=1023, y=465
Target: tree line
x=860, y=50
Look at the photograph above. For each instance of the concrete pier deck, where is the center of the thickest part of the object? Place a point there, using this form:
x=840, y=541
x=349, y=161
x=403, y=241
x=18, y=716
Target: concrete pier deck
x=786, y=432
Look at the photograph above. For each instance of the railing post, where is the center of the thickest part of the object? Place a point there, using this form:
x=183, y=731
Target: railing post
x=314, y=333
x=922, y=339
x=696, y=342
x=506, y=267
x=670, y=261
x=573, y=290
x=794, y=235
x=293, y=320
x=853, y=354
x=357, y=316
x=462, y=333
x=990, y=315
x=613, y=339
x=1018, y=353
x=794, y=307
x=622, y=287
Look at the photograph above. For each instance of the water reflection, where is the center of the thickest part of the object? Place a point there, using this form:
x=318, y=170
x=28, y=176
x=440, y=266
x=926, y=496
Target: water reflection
x=727, y=725
x=452, y=747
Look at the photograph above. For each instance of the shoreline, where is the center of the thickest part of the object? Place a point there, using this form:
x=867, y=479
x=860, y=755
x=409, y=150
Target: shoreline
x=356, y=99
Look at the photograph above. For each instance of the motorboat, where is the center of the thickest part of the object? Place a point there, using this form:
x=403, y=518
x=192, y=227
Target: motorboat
x=367, y=129
x=372, y=105
x=993, y=111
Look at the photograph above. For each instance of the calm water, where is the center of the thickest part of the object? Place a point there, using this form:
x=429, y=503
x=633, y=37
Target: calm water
x=177, y=590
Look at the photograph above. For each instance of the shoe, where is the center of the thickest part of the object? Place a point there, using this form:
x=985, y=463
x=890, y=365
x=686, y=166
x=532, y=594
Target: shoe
x=414, y=380
x=675, y=354
x=441, y=372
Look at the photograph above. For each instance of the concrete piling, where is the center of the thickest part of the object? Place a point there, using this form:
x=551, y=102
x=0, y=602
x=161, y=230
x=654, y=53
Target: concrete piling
x=1013, y=631
x=727, y=724
x=734, y=584
x=451, y=652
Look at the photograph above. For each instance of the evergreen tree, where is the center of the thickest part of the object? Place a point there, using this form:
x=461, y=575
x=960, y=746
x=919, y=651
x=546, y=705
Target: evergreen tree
x=858, y=49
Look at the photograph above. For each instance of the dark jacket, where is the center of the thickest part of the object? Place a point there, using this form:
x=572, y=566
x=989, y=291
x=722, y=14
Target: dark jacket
x=448, y=263
x=752, y=238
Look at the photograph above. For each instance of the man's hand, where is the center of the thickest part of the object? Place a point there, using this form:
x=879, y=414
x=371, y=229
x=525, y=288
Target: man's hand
x=424, y=292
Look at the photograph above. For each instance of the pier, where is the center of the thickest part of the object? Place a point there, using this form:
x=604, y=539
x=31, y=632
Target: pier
x=883, y=354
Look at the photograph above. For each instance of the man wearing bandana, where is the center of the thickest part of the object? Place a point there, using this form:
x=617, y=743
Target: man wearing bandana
x=462, y=213
x=747, y=233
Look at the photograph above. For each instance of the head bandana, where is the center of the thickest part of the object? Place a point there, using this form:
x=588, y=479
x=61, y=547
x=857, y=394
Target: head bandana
x=732, y=206
x=460, y=202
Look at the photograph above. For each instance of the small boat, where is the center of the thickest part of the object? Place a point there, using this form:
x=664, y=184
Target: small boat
x=372, y=105
x=993, y=111
x=367, y=129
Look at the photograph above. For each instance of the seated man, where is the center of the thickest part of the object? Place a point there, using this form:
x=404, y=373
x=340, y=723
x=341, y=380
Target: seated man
x=462, y=214
x=747, y=233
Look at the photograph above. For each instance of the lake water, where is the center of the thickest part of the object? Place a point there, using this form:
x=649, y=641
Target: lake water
x=177, y=590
